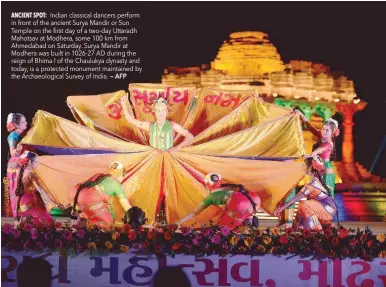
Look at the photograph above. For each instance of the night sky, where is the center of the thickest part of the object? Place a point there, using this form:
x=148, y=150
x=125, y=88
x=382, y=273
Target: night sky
x=346, y=36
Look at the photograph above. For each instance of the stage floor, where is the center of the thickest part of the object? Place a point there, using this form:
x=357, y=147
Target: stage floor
x=376, y=227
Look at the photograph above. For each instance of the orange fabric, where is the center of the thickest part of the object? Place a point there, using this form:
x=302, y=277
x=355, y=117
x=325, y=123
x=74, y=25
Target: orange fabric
x=104, y=113
x=312, y=207
x=270, y=180
x=212, y=105
x=224, y=125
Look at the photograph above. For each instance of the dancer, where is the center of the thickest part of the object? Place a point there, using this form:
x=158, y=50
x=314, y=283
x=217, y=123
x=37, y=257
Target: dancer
x=16, y=125
x=239, y=205
x=26, y=193
x=325, y=147
x=94, y=197
x=319, y=208
x=160, y=131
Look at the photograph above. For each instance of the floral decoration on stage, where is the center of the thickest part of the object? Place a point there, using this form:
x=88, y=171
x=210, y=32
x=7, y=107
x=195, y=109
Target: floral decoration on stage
x=332, y=242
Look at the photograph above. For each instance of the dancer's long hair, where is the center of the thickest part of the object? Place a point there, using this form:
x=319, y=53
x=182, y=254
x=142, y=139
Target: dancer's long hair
x=86, y=184
x=23, y=162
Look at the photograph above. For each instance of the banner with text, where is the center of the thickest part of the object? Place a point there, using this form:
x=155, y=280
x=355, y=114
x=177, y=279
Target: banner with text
x=241, y=270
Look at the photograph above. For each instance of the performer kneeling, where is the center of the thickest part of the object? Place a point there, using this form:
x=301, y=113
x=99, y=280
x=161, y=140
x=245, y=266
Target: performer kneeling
x=239, y=205
x=94, y=197
x=26, y=195
x=319, y=208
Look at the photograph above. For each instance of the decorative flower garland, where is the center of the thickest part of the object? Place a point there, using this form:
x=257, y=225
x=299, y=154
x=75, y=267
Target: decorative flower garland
x=333, y=242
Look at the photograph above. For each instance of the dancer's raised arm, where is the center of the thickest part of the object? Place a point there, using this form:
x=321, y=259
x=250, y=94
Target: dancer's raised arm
x=140, y=124
x=308, y=125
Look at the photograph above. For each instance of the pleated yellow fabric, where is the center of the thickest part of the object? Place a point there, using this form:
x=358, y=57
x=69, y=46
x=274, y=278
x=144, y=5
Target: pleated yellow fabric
x=144, y=185
x=55, y=132
x=253, y=111
x=272, y=180
x=227, y=126
x=183, y=193
x=281, y=137
x=104, y=113
x=61, y=173
x=212, y=105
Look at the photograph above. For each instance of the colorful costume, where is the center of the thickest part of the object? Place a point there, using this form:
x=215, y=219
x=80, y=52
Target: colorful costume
x=95, y=202
x=329, y=175
x=13, y=139
x=236, y=133
x=238, y=207
x=12, y=181
x=161, y=138
x=318, y=208
x=31, y=203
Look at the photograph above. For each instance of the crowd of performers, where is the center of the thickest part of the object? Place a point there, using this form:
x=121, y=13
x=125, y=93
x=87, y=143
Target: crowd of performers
x=92, y=198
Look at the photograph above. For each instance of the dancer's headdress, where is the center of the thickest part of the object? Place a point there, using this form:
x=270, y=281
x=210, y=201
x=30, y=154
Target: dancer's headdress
x=10, y=118
x=10, y=124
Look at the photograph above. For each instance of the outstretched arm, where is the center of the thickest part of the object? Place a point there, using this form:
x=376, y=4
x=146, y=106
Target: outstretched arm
x=124, y=202
x=49, y=202
x=140, y=124
x=303, y=193
x=308, y=125
x=192, y=214
x=184, y=132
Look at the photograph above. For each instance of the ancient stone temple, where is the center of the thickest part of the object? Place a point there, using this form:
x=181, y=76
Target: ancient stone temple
x=248, y=60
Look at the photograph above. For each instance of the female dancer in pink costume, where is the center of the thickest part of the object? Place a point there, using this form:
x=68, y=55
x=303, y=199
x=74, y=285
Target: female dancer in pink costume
x=319, y=208
x=94, y=197
x=25, y=192
x=16, y=125
x=324, y=148
x=239, y=204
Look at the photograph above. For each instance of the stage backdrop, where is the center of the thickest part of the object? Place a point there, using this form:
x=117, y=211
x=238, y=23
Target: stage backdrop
x=132, y=269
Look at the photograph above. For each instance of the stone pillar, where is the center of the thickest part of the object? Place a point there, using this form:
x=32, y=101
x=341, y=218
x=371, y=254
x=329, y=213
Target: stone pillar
x=348, y=110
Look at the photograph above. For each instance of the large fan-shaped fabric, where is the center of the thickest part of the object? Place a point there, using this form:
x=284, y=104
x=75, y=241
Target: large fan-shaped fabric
x=236, y=134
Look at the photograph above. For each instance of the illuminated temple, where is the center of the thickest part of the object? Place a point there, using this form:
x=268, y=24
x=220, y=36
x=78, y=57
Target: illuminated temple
x=249, y=61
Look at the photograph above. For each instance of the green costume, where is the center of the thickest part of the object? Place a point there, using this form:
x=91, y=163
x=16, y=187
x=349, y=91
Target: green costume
x=216, y=198
x=113, y=188
x=161, y=138
x=329, y=178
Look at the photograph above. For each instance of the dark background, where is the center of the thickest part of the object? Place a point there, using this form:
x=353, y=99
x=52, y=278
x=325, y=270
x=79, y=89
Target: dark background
x=346, y=36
